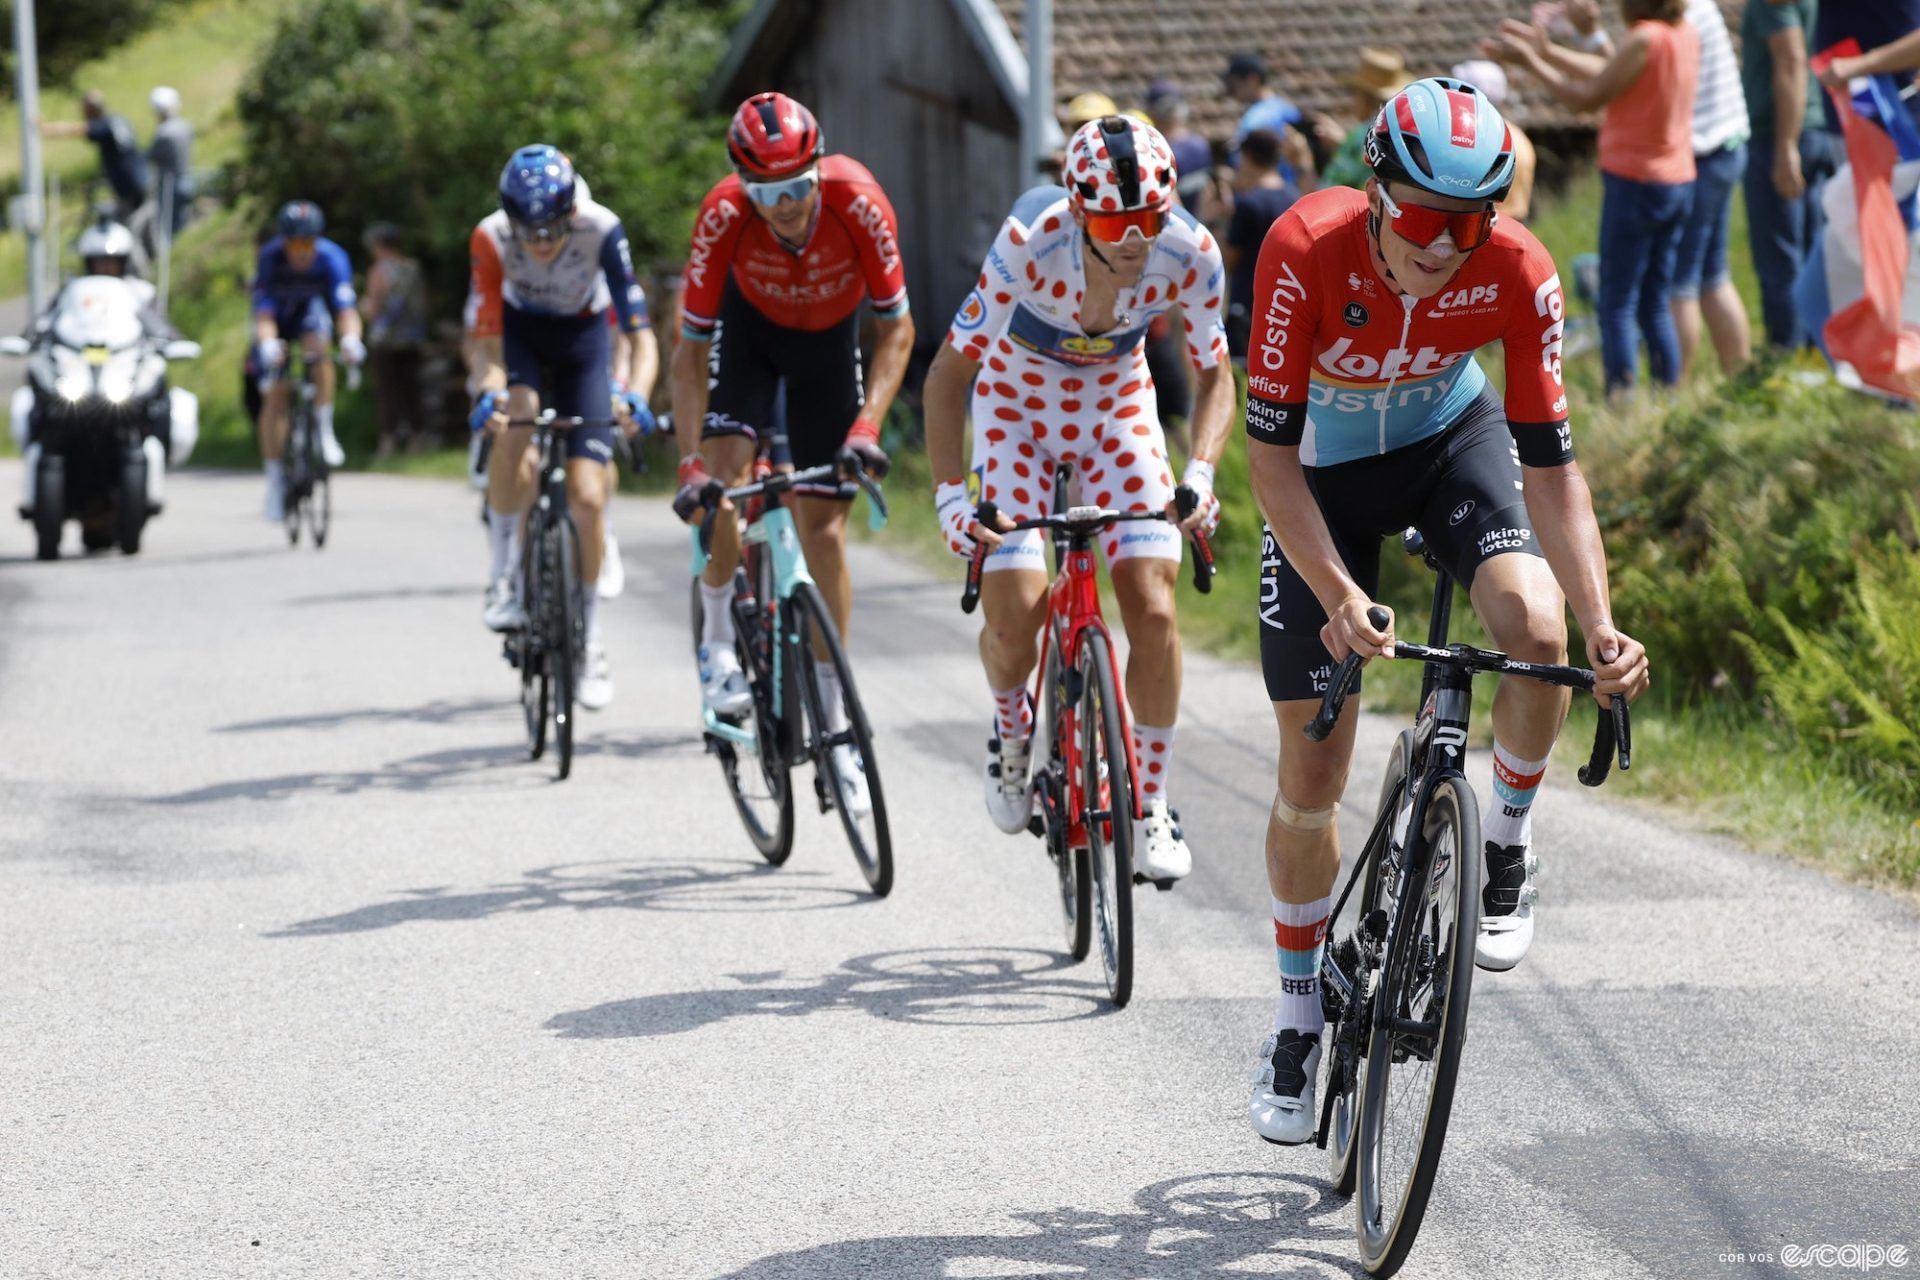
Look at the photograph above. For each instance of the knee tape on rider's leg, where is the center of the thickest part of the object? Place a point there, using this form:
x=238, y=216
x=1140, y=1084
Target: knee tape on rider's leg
x=1303, y=821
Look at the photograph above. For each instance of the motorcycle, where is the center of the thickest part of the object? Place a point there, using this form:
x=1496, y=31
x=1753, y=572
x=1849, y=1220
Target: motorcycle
x=96, y=422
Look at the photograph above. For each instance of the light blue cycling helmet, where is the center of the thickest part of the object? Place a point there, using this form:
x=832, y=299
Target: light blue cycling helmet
x=1443, y=136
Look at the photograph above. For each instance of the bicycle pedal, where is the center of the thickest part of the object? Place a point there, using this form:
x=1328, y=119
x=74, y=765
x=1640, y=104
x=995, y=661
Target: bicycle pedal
x=1140, y=877
x=1037, y=826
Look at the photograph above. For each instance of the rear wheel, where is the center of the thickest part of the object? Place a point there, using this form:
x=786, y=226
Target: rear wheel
x=844, y=740
x=1107, y=814
x=760, y=780
x=49, y=507
x=1419, y=1028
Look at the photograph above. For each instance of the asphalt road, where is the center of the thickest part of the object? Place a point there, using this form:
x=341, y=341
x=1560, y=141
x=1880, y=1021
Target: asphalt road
x=309, y=973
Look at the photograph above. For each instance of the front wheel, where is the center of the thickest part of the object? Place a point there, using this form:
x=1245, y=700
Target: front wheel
x=49, y=507
x=1105, y=813
x=130, y=510
x=565, y=630
x=1346, y=1040
x=760, y=778
x=843, y=741
x=1419, y=1026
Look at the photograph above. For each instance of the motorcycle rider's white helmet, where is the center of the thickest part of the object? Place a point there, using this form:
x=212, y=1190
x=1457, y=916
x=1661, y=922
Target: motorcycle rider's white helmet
x=105, y=239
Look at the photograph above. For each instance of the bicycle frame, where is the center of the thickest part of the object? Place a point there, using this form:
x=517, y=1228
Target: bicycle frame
x=772, y=528
x=1074, y=620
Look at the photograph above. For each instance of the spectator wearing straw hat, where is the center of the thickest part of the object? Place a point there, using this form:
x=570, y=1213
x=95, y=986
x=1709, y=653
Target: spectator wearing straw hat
x=1490, y=78
x=1379, y=74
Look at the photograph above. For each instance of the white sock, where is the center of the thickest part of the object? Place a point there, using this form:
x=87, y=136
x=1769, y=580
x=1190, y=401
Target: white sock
x=323, y=418
x=716, y=608
x=1153, y=748
x=1509, y=817
x=591, y=616
x=828, y=676
x=276, y=473
x=1299, y=936
x=505, y=530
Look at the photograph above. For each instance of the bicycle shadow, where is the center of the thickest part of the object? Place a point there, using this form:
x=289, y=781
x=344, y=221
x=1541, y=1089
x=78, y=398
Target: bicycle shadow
x=454, y=768
x=1212, y=1224
x=463, y=591
x=943, y=986
x=710, y=885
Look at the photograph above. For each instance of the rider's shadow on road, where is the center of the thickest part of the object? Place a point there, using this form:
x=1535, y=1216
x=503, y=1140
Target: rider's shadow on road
x=474, y=766
x=950, y=986
x=704, y=885
x=1219, y=1224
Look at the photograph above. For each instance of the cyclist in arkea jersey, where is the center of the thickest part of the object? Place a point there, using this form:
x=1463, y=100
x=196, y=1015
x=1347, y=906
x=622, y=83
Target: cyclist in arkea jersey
x=546, y=267
x=783, y=252
x=1051, y=343
x=303, y=289
x=1366, y=414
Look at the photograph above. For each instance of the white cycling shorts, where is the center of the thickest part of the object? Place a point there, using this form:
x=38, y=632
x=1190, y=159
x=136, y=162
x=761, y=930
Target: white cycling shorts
x=1031, y=414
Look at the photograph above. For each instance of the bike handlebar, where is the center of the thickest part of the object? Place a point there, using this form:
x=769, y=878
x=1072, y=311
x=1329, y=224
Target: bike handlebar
x=1085, y=522
x=1612, y=734
x=781, y=482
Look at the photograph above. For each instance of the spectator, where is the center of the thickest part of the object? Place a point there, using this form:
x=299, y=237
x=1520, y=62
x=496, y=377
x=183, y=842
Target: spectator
x=1381, y=73
x=1261, y=196
x=1703, y=283
x=1646, y=162
x=171, y=155
x=121, y=163
x=1893, y=57
x=1872, y=23
x=1246, y=83
x=395, y=307
x=1192, y=156
x=1490, y=78
x=1791, y=157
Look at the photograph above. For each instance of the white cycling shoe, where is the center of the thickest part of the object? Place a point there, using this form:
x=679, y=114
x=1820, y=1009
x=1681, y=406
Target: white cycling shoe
x=1160, y=851
x=330, y=450
x=723, y=685
x=1506, y=907
x=274, y=510
x=596, y=684
x=613, y=574
x=1282, y=1107
x=503, y=610
x=1009, y=794
x=853, y=781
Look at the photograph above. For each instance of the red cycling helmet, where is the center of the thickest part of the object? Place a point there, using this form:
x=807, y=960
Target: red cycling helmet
x=771, y=134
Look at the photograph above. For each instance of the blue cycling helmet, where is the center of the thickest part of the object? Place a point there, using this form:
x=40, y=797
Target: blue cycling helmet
x=301, y=220
x=537, y=186
x=1443, y=136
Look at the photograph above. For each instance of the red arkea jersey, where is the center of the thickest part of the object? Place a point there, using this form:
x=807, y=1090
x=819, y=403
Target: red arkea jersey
x=852, y=252
x=1344, y=367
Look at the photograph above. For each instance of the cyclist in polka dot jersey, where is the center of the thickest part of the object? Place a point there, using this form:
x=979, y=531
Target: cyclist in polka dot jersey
x=1048, y=354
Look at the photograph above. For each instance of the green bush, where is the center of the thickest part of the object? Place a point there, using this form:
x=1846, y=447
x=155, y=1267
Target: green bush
x=73, y=32
x=381, y=110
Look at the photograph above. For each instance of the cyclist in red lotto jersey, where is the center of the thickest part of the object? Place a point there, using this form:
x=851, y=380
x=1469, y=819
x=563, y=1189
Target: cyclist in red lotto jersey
x=783, y=253
x=1366, y=414
x=1051, y=344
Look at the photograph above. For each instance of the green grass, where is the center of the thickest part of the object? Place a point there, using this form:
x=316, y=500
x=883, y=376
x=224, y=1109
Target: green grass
x=203, y=50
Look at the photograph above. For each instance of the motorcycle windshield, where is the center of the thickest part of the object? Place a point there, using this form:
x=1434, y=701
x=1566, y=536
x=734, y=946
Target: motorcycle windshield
x=97, y=311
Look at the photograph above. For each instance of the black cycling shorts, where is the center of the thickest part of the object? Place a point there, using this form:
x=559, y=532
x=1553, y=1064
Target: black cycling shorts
x=752, y=357
x=1460, y=488
x=566, y=361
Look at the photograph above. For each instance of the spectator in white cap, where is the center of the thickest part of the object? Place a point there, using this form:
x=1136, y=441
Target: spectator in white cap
x=171, y=155
x=1490, y=78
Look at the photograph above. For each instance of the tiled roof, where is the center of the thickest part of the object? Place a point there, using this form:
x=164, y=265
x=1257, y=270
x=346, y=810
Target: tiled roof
x=1118, y=46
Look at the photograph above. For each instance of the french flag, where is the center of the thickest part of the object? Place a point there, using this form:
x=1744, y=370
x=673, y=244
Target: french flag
x=1860, y=291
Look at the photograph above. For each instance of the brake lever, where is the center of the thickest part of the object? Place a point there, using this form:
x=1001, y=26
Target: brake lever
x=1344, y=677
x=1185, y=502
x=986, y=514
